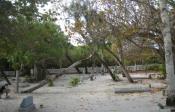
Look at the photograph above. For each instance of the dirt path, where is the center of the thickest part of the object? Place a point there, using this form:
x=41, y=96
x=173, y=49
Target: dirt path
x=89, y=96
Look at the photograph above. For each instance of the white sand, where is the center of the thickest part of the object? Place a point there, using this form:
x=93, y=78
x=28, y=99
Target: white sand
x=89, y=96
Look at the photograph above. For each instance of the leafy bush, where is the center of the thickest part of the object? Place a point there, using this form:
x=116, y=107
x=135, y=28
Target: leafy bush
x=74, y=81
x=158, y=68
x=162, y=71
x=50, y=83
x=154, y=67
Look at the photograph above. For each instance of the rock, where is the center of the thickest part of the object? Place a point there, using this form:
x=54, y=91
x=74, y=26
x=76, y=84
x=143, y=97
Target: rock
x=27, y=105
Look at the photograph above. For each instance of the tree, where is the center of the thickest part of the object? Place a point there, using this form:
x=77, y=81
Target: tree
x=28, y=37
x=168, y=53
x=41, y=41
x=94, y=28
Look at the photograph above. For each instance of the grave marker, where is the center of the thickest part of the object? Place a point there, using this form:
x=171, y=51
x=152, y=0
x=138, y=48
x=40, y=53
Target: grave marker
x=27, y=105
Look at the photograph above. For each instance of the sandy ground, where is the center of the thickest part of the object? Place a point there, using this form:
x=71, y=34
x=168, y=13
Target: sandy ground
x=89, y=96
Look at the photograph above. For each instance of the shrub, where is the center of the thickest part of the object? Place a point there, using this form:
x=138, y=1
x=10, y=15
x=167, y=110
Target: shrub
x=162, y=71
x=74, y=81
x=154, y=67
x=158, y=68
x=50, y=83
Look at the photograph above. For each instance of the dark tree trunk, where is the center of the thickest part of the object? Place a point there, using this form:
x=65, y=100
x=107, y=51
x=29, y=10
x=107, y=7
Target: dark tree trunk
x=86, y=69
x=115, y=78
x=25, y=71
x=121, y=65
x=39, y=72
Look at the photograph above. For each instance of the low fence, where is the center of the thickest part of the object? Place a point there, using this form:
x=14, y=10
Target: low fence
x=100, y=69
x=91, y=70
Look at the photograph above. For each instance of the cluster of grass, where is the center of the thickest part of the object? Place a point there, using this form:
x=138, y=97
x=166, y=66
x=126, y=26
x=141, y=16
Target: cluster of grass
x=50, y=83
x=74, y=81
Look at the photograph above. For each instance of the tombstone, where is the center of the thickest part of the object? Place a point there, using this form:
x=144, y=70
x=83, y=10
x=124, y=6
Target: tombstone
x=27, y=105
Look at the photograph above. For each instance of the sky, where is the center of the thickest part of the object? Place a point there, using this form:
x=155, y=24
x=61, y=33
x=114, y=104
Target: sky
x=76, y=38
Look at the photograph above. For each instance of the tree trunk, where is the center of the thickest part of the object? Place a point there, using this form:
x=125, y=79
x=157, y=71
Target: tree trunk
x=39, y=72
x=71, y=61
x=102, y=67
x=168, y=54
x=115, y=78
x=86, y=69
x=121, y=58
x=44, y=82
x=93, y=65
x=5, y=77
x=17, y=81
x=121, y=65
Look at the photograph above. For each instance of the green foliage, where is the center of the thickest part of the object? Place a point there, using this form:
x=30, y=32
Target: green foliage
x=79, y=52
x=37, y=41
x=153, y=67
x=47, y=39
x=19, y=58
x=26, y=36
x=50, y=83
x=171, y=2
x=162, y=70
x=158, y=68
x=74, y=81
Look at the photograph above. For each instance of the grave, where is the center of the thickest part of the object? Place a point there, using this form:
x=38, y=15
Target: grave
x=132, y=90
x=27, y=105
